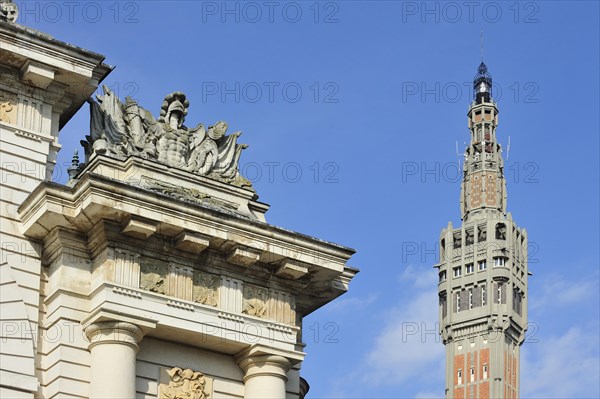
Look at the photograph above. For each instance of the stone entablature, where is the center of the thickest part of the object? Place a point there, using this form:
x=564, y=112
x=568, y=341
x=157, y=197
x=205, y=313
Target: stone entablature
x=136, y=250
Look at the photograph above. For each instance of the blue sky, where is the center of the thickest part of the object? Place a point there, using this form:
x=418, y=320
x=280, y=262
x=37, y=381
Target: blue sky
x=353, y=111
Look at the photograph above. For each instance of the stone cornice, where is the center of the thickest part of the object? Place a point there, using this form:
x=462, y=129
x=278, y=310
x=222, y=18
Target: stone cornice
x=54, y=63
x=43, y=44
x=68, y=208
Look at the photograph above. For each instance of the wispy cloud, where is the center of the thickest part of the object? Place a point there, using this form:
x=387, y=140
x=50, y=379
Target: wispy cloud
x=351, y=303
x=408, y=348
x=419, y=278
x=560, y=291
x=563, y=366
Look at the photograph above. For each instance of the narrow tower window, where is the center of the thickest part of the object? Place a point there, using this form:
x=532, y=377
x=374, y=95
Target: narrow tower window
x=499, y=293
x=481, y=233
x=459, y=377
x=442, y=276
x=470, y=298
x=483, y=295
x=500, y=231
x=472, y=374
x=458, y=302
x=485, y=372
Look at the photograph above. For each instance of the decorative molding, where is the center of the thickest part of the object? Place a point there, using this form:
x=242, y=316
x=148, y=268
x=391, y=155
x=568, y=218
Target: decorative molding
x=180, y=305
x=280, y=328
x=126, y=292
x=179, y=281
x=28, y=135
x=232, y=317
x=282, y=307
x=127, y=268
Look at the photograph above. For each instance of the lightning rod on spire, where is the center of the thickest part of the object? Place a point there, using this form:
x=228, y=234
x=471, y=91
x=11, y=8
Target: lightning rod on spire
x=482, y=45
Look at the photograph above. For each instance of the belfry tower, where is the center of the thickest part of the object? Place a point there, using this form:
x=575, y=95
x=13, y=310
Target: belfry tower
x=483, y=269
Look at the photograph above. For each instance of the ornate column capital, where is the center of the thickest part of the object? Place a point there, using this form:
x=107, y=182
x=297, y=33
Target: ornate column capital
x=264, y=365
x=114, y=332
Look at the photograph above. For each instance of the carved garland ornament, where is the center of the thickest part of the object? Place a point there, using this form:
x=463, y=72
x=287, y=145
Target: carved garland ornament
x=184, y=384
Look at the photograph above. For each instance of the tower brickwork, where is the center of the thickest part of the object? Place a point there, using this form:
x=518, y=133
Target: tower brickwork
x=483, y=269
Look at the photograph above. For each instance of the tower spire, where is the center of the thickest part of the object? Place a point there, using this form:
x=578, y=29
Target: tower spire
x=481, y=44
x=483, y=271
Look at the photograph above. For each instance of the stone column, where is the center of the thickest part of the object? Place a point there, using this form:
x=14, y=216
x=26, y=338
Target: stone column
x=113, y=345
x=265, y=376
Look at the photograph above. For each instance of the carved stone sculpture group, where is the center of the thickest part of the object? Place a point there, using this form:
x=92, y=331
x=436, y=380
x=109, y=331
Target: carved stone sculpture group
x=123, y=129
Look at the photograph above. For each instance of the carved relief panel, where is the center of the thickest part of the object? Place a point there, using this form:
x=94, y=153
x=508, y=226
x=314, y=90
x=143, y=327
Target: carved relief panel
x=153, y=275
x=8, y=107
x=205, y=290
x=255, y=301
x=178, y=383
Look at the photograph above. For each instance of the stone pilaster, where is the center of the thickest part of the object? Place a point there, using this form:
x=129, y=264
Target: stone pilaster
x=113, y=347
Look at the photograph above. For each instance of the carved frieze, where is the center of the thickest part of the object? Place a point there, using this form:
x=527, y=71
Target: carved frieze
x=153, y=275
x=178, y=383
x=8, y=108
x=205, y=290
x=255, y=301
x=187, y=194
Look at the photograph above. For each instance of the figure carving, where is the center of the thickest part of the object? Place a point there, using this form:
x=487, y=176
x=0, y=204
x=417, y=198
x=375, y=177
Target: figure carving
x=153, y=274
x=255, y=301
x=122, y=130
x=205, y=289
x=184, y=384
x=9, y=11
x=7, y=108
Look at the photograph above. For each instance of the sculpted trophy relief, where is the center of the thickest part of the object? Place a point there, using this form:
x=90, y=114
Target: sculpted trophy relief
x=125, y=129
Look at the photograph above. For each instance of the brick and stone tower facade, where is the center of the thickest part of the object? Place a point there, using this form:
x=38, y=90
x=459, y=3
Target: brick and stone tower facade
x=483, y=269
